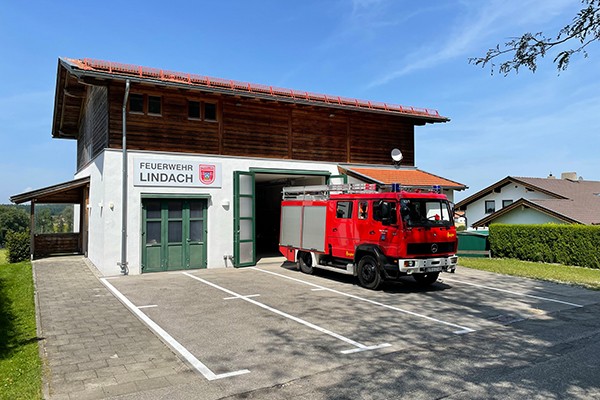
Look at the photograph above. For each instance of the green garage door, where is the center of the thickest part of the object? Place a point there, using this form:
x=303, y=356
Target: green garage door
x=173, y=234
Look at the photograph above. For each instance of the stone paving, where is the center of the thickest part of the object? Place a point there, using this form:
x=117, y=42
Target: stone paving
x=92, y=346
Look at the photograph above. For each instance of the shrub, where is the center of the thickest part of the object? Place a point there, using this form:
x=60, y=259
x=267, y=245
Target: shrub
x=550, y=243
x=17, y=246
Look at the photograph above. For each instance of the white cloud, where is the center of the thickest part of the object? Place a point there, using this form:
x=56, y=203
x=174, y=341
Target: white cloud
x=477, y=29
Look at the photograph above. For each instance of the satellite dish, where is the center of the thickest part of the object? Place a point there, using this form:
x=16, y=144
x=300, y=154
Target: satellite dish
x=396, y=155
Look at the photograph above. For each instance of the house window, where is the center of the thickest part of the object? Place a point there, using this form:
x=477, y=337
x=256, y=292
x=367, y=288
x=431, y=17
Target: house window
x=136, y=103
x=194, y=109
x=154, y=105
x=506, y=203
x=490, y=206
x=202, y=111
x=344, y=209
x=210, y=112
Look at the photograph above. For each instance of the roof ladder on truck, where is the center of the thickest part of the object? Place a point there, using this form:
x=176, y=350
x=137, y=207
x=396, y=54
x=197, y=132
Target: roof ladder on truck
x=322, y=192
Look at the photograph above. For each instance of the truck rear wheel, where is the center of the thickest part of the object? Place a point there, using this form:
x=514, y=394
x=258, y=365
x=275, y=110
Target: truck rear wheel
x=305, y=262
x=368, y=273
x=426, y=279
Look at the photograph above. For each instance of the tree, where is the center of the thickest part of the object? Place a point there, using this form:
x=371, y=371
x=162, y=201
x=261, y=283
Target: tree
x=12, y=219
x=528, y=48
x=43, y=220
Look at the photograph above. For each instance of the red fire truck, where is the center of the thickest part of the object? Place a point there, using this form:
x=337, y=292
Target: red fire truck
x=371, y=232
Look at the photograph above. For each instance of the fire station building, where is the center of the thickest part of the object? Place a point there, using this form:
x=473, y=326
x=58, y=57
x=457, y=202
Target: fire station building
x=181, y=171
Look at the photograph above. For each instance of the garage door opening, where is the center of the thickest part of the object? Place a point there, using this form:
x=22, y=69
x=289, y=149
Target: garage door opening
x=268, y=208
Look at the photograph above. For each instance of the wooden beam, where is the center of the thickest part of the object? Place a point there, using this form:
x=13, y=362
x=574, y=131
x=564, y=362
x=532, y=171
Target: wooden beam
x=32, y=229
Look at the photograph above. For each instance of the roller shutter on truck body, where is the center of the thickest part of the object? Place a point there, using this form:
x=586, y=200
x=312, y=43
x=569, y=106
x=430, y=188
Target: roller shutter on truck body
x=303, y=227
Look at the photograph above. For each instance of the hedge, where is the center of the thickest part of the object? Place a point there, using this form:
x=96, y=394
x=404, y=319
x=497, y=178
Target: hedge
x=17, y=246
x=551, y=243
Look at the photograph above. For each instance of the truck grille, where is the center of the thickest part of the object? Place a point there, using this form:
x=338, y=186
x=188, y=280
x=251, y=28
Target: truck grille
x=426, y=248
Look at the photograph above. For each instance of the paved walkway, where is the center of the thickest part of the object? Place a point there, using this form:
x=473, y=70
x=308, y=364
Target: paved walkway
x=94, y=347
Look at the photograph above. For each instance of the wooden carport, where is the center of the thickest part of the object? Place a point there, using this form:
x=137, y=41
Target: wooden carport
x=72, y=192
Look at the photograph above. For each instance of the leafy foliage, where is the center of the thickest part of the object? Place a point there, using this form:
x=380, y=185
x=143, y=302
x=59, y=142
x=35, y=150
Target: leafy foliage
x=13, y=219
x=529, y=47
x=563, y=244
x=49, y=218
x=17, y=246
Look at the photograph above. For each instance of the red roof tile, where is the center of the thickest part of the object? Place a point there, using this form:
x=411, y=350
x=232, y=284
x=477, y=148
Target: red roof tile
x=408, y=177
x=252, y=89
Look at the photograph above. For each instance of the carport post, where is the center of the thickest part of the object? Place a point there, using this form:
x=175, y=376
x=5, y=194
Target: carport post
x=32, y=229
x=123, y=263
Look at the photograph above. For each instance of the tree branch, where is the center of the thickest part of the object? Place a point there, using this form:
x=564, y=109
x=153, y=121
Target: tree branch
x=527, y=48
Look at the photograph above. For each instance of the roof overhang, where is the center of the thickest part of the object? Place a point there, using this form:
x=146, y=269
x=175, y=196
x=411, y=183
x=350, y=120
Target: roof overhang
x=523, y=203
x=500, y=184
x=404, y=176
x=63, y=193
x=90, y=72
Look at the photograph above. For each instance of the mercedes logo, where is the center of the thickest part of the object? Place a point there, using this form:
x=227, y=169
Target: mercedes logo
x=434, y=248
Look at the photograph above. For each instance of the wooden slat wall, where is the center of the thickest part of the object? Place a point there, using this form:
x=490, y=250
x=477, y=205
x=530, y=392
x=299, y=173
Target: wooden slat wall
x=93, y=137
x=319, y=137
x=372, y=138
x=253, y=128
x=172, y=131
x=46, y=244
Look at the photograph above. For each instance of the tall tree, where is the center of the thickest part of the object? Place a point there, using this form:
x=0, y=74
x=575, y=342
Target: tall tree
x=12, y=219
x=43, y=220
x=527, y=49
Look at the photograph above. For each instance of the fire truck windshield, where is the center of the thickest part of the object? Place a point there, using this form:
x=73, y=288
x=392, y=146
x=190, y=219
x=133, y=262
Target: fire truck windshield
x=425, y=212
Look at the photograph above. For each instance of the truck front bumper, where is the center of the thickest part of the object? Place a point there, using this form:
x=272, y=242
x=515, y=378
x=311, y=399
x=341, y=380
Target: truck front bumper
x=427, y=265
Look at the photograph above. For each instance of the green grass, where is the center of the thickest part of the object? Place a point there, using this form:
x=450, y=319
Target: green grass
x=3, y=259
x=20, y=365
x=586, y=277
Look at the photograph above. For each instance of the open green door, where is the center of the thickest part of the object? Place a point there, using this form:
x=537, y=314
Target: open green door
x=244, y=238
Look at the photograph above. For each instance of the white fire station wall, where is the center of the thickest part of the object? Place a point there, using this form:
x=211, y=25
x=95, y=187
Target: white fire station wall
x=104, y=243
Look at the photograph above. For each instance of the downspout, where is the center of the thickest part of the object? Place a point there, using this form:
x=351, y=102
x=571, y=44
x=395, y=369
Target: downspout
x=123, y=263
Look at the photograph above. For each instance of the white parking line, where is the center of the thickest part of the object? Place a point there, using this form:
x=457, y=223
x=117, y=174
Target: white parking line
x=511, y=292
x=462, y=329
x=359, y=346
x=235, y=297
x=148, y=306
x=189, y=357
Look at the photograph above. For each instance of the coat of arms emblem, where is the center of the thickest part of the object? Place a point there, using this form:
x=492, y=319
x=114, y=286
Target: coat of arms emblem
x=207, y=174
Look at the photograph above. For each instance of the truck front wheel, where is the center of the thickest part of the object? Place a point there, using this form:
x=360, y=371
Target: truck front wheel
x=368, y=273
x=305, y=262
x=426, y=279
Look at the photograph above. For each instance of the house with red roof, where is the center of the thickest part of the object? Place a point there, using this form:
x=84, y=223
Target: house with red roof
x=523, y=200
x=180, y=171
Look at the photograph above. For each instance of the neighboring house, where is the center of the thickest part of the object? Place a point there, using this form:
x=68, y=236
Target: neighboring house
x=518, y=200
x=205, y=161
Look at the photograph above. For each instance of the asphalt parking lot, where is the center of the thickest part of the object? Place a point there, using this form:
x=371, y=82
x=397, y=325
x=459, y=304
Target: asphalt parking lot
x=272, y=332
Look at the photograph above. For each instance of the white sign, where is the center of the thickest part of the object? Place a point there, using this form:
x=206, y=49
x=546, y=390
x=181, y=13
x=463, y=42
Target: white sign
x=187, y=172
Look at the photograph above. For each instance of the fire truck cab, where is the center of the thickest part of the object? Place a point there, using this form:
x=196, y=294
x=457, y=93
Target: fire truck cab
x=371, y=232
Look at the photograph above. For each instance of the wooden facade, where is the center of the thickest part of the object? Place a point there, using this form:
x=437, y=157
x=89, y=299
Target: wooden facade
x=245, y=126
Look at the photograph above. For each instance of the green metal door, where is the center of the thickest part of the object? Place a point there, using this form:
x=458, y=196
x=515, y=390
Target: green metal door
x=196, y=236
x=173, y=234
x=152, y=236
x=244, y=238
x=175, y=239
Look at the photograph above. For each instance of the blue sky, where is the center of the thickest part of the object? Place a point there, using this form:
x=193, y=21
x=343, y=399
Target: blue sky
x=402, y=52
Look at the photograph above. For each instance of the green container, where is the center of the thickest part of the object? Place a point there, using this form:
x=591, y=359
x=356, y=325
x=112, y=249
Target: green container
x=473, y=244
